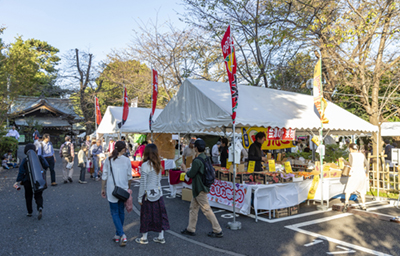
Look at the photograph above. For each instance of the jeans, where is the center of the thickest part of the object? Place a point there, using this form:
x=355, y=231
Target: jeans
x=82, y=176
x=96, y=166
x=51, y=162
x=118, y=216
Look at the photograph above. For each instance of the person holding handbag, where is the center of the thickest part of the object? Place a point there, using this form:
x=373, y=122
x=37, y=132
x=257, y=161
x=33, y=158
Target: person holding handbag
x=117, y=173
x=153, y=215
x=357, y=181
x=82, y=159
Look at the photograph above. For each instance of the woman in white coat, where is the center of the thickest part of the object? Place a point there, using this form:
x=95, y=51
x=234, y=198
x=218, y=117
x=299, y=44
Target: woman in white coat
x=121, y=169
x=357, y=181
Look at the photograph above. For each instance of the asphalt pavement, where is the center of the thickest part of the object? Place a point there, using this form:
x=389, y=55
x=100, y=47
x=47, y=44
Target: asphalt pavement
x=77, y=221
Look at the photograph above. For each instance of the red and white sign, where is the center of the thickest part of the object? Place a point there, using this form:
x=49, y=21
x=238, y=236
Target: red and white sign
x=98, y=112
x=281, y=134
x=154, y=95
x=125, y=111
x=221, y=192
x=228, y=50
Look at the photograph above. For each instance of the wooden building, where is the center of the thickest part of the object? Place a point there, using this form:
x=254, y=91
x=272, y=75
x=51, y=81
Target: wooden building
x=54, y=116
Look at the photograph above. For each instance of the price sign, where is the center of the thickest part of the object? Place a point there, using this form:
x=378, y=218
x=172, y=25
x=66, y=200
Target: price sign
x=251, y=166
x=228, y=164
x=288, y=167
x=271, y=164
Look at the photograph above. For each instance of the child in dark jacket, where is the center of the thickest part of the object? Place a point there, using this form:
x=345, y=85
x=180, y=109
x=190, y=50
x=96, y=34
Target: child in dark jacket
x=23, y=177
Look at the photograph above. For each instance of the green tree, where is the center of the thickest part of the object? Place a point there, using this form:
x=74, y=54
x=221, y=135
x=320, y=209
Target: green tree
x=27, y=68
x=356, y=41
x=119, y=71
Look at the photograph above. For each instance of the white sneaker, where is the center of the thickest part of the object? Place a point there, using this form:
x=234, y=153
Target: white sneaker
x=158, y=240
x=97, y=179
x=116, y=238
x=123, y=240
x=82, y=182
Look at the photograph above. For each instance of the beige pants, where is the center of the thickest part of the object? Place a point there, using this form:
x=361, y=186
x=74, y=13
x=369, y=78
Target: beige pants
x=201, y=201
x=67, y=172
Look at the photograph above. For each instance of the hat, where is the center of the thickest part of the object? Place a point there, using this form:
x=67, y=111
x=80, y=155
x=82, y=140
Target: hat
x=218, y=142
x=200, y=144
x=192, y=141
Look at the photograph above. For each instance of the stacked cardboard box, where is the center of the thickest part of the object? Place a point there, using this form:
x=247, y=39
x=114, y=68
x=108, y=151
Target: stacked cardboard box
x=280, y=213
x=294, y=210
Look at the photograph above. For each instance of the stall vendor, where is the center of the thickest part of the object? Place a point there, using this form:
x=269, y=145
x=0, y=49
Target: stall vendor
x=224, y=152
x=255, y=152
x=189, y=151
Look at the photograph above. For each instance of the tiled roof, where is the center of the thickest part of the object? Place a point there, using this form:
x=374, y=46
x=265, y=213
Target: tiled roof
x=26, y=103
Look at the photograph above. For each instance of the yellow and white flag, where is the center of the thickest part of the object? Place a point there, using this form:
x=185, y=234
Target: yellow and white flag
x=319, y=101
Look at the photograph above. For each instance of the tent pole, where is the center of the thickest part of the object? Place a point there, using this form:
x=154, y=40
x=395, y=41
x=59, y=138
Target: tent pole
x=179, y=145
x=377, y=166
x=234, y=225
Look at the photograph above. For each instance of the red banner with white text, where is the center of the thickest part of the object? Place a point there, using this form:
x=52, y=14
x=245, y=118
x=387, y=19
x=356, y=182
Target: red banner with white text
x=228, y=50
x=98, y=112
x=154, y=74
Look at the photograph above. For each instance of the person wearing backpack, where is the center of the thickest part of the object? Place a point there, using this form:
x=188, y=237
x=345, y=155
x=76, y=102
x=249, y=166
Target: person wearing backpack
x=67, y=153
x=202, y=175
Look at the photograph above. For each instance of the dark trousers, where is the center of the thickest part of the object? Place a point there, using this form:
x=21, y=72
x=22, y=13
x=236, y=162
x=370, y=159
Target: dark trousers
x=29, y=195
x=82, y=176
x=50, y=160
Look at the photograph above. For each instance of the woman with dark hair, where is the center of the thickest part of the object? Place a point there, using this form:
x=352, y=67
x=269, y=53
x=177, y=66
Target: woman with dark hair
x=139, y=151
x=153, y=215
x=357, y=181
x=117, y=170
x=23, y=177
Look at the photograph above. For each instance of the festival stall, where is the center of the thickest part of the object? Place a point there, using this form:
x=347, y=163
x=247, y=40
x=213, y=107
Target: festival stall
x=137, y=123
x=205, y=105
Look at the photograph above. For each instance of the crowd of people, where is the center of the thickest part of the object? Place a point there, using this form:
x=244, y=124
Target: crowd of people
x=110, y=163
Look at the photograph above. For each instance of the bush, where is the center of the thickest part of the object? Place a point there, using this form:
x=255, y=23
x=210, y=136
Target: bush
x=8, y=143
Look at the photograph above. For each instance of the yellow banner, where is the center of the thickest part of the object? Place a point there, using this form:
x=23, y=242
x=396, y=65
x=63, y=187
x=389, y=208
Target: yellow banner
x=249, y=136
x=319, y=103
x=314, y=186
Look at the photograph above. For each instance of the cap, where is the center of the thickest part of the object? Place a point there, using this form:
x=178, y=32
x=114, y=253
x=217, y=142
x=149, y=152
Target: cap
x=218, y=142
x=199, y=143
x=192, y=141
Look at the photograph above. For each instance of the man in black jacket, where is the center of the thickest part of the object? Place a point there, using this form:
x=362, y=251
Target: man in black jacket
x=23, y=177
x=255, y=152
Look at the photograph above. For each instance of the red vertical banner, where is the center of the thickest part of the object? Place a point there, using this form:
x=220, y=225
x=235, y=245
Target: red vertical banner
x=125, y=111
x=98, y=112
x=228, y=50
x=154, y=76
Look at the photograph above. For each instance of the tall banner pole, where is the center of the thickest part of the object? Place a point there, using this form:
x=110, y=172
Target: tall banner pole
x=154, y=95
x=320, y=104
x=95, y=116
x=228, y=51
x=151, y=114
x=321, y=135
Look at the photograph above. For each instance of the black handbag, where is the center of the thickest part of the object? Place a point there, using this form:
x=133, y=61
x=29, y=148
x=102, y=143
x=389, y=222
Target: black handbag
x=119, y=192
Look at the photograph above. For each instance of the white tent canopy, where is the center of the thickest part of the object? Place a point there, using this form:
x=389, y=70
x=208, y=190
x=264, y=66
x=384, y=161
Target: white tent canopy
x=204, y=105
x=390, y=129
x=137, y=122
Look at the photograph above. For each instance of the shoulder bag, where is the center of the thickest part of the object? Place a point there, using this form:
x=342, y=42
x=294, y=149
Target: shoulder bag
x=119, y=192
x=346, y=169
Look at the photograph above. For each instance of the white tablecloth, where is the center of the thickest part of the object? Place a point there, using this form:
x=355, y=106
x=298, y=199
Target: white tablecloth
x=331, y=187
x=272, y=196
x=169, y=164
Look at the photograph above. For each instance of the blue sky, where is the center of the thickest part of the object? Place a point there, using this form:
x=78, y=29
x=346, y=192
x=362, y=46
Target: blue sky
x=98, y=26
